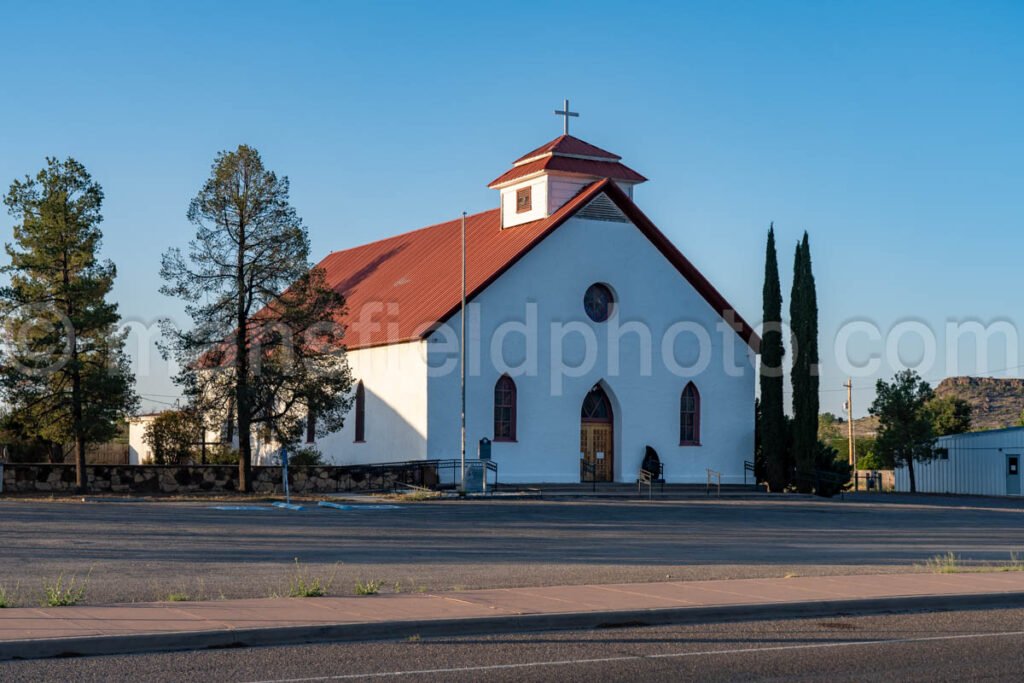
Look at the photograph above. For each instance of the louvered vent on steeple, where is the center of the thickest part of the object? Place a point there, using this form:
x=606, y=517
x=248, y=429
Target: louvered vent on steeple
x=601, y=208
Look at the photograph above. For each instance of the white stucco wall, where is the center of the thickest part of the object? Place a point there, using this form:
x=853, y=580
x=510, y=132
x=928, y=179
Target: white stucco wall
x=976, y=464
x=538, y=202
x=551, y=280
x=395, y=379
x=138, y=452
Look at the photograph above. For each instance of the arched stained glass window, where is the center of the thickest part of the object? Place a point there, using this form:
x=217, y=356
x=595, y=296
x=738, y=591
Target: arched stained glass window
x=689, y=416
x=505, y=409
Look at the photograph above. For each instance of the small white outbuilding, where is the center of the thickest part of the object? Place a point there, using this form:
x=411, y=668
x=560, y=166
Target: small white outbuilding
x=139, y=452
x=976, y=463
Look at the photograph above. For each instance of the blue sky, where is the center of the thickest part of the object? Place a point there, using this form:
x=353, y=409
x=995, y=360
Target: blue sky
x=891, y=131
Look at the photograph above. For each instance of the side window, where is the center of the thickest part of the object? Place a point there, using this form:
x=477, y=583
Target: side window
x=310, y=426
x=505, y=409
x=689, y=416
x=360, y=413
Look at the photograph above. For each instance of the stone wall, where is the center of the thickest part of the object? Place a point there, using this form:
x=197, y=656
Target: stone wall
x=157, y=479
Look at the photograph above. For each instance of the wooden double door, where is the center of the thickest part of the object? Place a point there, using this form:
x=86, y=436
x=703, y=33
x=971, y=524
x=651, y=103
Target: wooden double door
x=596, y=437
x=596, y=450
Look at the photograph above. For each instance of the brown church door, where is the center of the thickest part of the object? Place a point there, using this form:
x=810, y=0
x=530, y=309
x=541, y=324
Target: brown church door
x=596, y=437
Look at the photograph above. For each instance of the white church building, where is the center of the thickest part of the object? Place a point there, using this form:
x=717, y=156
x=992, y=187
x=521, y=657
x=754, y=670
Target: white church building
x=589, y=336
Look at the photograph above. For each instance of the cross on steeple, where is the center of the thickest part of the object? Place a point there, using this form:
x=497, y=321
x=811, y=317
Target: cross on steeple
x=565, y=114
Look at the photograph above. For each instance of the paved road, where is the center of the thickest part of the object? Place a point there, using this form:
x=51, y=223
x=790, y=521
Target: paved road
x=961, y=646
x=146, y=551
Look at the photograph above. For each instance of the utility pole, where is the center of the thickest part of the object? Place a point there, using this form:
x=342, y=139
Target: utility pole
x=849, y=422
x=462, y=360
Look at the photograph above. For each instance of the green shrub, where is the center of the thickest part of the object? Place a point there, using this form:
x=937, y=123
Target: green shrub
x=307, y=456
x=221, y=455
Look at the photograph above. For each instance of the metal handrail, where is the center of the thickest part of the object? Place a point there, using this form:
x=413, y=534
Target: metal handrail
x=591, y=469
x=748, y=466
x=455, y=465
x=712, y=474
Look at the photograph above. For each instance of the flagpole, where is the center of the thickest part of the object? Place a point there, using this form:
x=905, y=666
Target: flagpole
x=462, y=360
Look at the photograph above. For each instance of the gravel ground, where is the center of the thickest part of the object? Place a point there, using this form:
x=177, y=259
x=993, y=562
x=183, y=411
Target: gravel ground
x=149, y=550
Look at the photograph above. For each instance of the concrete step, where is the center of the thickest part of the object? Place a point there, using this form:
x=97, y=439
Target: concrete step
x=624, y=490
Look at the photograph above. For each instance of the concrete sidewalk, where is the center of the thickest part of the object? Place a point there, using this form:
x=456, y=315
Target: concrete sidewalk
x=144, y=627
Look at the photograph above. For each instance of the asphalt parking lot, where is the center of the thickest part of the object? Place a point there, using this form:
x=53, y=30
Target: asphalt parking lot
x=148, y=550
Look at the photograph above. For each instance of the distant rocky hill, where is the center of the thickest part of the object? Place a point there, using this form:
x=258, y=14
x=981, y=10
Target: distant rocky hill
x=995, y=402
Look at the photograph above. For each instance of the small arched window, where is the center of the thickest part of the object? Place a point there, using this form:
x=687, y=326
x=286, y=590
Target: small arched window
x=360, y=413
x=505, y=409
x=310, y=426
x=689, y=416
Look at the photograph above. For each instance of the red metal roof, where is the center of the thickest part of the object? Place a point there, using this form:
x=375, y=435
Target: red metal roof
x=567, y=144
x=587, y=167
x=400, y=288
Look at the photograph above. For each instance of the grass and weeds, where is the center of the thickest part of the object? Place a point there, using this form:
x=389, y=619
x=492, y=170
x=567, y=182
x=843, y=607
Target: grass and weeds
x=181, y=591
x=64, y=591
x=7, y=597
x=303, y=584
x=413, y=496
x=947, y=563
x=370, y=587
x=951, y=563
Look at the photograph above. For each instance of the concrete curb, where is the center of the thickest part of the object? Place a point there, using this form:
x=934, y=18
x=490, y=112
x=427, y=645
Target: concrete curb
x=298, y=635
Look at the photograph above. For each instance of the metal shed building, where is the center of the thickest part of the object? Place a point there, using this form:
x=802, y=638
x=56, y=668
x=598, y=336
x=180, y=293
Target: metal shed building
x=976, y=463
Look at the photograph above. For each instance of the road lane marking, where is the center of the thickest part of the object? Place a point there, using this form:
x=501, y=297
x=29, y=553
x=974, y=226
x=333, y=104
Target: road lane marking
x=629, y=658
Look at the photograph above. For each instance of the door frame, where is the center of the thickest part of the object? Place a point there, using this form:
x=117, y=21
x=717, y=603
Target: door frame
x=611, y=456
x=1015, y=476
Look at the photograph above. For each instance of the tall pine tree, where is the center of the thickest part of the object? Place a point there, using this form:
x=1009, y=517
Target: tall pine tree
x=772, y=415
x=264, y=350
x=64, y=374
x=803, y=311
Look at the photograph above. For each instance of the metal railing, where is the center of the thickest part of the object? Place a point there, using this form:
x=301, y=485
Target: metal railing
x=450, y=472
x=591, y=469
x=748, y=466
x=717, y=478
x=427, y=474
x=389, y=476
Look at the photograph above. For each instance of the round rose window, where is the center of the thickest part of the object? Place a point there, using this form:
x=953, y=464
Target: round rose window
x=598, y=302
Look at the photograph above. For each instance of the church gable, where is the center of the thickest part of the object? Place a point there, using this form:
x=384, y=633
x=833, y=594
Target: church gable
x=402, y=288
x=606, y=201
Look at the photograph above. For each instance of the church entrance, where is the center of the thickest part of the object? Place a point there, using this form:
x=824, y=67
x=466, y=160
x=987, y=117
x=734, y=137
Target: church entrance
x=596, y=456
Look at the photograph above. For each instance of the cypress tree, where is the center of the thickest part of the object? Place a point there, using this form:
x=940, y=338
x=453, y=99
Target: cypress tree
x=772, y=417
x=803, y=308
